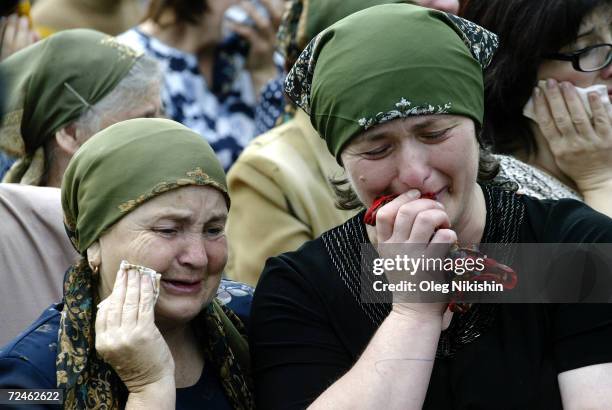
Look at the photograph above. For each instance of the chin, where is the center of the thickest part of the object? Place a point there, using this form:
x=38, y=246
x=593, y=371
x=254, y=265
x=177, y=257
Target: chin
x=179, y=310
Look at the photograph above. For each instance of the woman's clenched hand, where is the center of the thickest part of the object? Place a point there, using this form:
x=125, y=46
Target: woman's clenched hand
x=422, y=227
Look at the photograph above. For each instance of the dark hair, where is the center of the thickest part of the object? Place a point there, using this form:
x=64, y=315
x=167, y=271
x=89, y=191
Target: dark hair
x=527, y=29
x=185, y=11
x=488, y=168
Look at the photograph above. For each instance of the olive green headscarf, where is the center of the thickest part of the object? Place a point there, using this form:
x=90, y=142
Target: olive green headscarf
x=50, y=84
x=304, y=19
x=113, y=173
x=386, y=62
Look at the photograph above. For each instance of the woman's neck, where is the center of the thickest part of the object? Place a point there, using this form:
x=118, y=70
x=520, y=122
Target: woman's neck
x=470, y=225
x=544, y=159
x=187, y=354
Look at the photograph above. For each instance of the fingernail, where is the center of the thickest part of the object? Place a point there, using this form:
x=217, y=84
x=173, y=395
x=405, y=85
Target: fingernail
x=551, y=83
x=413, y=194
x=537, y=92
x=565, y=85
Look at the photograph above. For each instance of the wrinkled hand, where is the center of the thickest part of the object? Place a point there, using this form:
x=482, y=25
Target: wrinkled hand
x=262, y=37
x=424, y=226
x=16, y=34
x=126, y=335
x=582, y=147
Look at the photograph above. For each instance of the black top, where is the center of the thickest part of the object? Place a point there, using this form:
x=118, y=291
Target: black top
x=307, y=329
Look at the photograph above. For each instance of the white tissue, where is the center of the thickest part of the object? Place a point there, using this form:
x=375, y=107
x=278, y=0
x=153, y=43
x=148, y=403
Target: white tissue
x=155, y=277
x=600, y=89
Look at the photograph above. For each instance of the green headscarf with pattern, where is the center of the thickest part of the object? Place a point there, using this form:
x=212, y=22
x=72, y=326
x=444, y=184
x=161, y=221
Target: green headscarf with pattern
x=111, y=174
x=386, y=62
x=50, y=84
x=304, y=19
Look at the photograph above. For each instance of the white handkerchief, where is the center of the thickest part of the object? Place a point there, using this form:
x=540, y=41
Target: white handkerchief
x=602, y=90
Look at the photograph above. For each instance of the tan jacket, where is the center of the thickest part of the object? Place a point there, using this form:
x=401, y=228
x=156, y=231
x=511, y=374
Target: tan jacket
x=281, y=197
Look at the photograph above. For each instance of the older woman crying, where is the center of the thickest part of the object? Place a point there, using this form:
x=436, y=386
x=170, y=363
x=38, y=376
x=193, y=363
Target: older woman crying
x=142, y=197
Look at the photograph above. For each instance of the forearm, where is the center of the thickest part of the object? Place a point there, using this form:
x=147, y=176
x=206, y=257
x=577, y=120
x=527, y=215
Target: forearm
x=600, y=198
x=159, y=395
x=394, y=370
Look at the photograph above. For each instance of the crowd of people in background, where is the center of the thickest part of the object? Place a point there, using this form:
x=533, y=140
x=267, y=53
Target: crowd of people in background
x=233, y=146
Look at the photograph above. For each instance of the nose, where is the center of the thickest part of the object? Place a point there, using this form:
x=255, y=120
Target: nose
x=413, y=167
x=193, y=252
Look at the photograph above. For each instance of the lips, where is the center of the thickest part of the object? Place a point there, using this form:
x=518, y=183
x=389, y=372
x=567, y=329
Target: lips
x=182, y=286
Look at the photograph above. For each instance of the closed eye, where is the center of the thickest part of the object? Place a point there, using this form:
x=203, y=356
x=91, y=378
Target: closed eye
x=167, y=232
x=377, y=152
x=436, y=135
x=214, y=231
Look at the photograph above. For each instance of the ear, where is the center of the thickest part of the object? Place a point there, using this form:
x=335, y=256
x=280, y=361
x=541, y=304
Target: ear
x=66, y=139
x=93, y=256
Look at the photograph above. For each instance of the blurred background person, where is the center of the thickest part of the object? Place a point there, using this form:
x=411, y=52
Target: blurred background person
x=58, y=93
x=61, y=91
x=561, y=151
x=15, y=33
x=211, y=79
x=281, y=181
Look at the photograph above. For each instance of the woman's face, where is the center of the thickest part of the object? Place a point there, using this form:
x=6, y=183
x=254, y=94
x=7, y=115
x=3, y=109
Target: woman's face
x=435, y=154
x=179, y=234
x=594, y=29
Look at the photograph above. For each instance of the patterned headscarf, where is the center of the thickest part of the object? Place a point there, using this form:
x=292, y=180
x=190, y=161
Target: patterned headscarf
x=112, y=174
x=387, y=62
x=51, y=83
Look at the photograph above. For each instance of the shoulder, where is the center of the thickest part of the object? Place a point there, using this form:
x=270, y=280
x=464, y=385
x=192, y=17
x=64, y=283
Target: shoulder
x=276, y=149
x=237, y=297
x=135, y=39
x=567, y=220
x=309, y=269
x=29, y=360
x=532, y=181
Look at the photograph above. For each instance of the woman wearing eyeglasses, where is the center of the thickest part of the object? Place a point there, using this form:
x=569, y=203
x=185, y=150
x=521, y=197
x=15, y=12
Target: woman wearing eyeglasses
x=550, y=51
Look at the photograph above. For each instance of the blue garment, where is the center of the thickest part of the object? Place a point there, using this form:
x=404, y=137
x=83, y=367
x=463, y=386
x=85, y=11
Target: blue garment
x=5, y=163
x=271, y=104
x=224, y=115
x=28, y=361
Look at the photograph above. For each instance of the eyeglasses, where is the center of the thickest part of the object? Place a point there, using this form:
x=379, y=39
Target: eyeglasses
x=593, y=58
